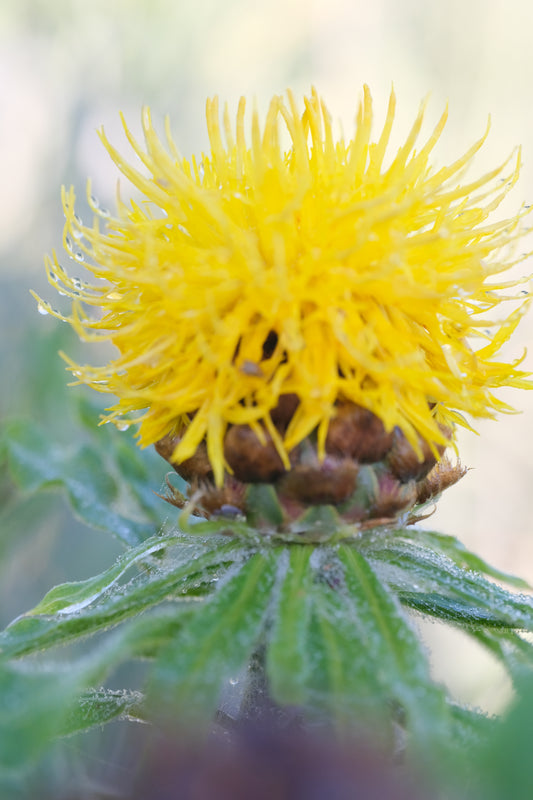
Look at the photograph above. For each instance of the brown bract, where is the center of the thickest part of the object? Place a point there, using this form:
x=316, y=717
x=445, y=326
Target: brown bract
x=283, y=412
x=370, y=475
x=250, y=459
x=357, y=433
x=393, y=497
x=442, y=476
x=328, y=483
x=198, y=467
x=404, y=462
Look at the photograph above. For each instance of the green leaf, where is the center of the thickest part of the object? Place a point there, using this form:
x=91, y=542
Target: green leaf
x=392, y=648
x=31, y=634
x=72, y=597
x=433, y=583
x=140, y=473
x=39, y=704
x=318, y=522
x=287, y=656
x=470, y=726
x=341, y=679
x=33, y=707
x=514, y=652
x=454, y=610
x=99, y=706
x=146, y=635
x=140, y=470
x=340, y=645
x=216, y=644
x=263, y=501
x=455, y=550
x=35, y=463
x=503, y=765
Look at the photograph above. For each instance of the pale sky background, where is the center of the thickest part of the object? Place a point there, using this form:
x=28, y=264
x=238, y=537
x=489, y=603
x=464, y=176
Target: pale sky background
x=67, y=67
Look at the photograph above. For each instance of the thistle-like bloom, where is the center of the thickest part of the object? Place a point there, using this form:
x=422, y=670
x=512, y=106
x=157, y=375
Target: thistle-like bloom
x=290, y=264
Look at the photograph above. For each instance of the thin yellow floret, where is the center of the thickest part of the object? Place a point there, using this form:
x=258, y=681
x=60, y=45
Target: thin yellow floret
x=293, y=262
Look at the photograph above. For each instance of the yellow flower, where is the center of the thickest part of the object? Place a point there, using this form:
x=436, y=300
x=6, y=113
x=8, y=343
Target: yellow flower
x=289, y=262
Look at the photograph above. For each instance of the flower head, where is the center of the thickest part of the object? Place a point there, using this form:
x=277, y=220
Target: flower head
x=291, y=267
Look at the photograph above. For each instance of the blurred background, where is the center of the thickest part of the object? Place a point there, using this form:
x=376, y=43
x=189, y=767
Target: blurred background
x=68, y=67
